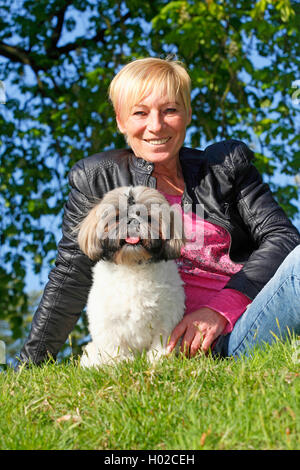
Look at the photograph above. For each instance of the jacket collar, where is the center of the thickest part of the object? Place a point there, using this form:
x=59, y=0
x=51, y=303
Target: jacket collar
x=144, y=166
x=140, y=165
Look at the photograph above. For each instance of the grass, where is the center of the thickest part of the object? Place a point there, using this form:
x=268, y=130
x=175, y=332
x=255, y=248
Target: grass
x=200, y=403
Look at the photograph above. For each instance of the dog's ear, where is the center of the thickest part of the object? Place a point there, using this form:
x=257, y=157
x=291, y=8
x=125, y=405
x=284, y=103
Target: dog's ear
x=88, y=238
x=172, y=249
x=176, y=237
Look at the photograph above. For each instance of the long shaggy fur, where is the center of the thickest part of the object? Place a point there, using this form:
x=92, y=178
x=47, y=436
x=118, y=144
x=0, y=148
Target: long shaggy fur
x=137, y=295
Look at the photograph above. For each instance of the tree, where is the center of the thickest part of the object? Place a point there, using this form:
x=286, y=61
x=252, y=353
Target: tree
x=14, y=337
x=57, y=58
x=61, y=69
x=235, y=92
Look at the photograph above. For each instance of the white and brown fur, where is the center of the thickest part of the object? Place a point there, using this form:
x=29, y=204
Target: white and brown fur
x=137, y=295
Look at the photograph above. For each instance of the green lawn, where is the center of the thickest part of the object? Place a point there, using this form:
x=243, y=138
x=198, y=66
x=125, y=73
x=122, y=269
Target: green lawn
x=180, y=404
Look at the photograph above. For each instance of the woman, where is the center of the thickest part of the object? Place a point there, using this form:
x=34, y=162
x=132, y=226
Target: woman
x=246, y=234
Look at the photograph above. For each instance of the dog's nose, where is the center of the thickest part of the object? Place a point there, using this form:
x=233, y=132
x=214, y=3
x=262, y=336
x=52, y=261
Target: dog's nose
x=133, y=221
x=133, y=224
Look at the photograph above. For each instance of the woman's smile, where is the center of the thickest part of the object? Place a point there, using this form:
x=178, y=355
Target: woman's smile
x=158, y=142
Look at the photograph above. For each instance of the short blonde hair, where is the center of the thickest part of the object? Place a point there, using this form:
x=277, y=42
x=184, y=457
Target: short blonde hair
x=142, y=76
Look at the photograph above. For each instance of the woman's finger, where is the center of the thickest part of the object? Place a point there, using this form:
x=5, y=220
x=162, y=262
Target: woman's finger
x=193, y=338
x=188, y=339
x=207, y=342
x=176, y=334
x=196, y=343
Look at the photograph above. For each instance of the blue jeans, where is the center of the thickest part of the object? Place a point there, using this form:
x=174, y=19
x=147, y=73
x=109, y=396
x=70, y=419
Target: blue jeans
x=274, y=311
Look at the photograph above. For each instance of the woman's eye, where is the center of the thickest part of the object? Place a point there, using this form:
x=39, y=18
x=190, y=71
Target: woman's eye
x=171, y=110
x=139, y=113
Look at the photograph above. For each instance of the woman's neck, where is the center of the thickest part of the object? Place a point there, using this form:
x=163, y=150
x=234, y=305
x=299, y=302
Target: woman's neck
x=169, y=177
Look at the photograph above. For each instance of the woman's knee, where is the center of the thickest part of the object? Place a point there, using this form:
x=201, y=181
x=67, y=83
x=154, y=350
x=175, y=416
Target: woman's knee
x=293, y=260
x=288, y=273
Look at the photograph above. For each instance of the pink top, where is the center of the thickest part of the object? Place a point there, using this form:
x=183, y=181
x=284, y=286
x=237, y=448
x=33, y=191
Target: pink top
x=205, y=268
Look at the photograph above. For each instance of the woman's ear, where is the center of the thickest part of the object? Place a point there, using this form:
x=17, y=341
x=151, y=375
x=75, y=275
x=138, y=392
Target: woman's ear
x=189, y=116
x=120, y=124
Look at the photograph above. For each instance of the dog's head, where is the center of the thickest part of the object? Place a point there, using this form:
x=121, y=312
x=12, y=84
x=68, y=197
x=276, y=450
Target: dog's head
x=132, y=225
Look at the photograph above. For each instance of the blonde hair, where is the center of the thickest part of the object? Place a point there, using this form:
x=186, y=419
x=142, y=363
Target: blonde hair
x=142, y=76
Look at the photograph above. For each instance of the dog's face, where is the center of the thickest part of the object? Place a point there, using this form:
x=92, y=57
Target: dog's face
x=132, y=225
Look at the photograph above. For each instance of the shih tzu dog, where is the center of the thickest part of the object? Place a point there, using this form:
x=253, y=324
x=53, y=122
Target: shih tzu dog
x=137, y=295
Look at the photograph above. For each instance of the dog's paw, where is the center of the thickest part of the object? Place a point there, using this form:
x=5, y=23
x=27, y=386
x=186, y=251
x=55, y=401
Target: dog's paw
x=155, y=355
x=90, y=356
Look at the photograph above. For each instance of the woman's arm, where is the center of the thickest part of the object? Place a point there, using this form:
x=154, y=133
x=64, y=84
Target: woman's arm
x=66, y=292
x=273, y=234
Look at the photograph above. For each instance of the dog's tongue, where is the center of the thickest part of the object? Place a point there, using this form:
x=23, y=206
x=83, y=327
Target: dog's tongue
x=132, y=240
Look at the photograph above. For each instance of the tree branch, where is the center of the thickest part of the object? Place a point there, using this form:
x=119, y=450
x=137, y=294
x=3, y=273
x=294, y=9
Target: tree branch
x=15, y=54
x=80, y=42
x=59, y=25
x=86, y=42
x=22, y=56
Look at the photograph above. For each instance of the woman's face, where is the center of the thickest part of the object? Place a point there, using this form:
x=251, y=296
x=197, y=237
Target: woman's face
x=155, y=128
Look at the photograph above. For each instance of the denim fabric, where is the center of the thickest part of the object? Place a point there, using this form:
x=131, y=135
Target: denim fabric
x=275, y=312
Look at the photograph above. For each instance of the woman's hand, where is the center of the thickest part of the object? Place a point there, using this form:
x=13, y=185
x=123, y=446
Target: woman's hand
x=200, y=329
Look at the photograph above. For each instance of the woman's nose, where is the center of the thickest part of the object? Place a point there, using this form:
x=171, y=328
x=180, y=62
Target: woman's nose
x=155, y=122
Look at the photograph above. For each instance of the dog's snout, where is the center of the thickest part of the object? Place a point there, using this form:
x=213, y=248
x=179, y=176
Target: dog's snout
x=133, y=227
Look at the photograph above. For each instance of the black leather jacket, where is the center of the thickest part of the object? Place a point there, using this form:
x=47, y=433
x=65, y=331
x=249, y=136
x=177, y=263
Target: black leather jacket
x=222, y=178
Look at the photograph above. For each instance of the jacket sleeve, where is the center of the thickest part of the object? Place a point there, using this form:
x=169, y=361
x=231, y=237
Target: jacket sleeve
x=273, y=234
x=66, y=292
